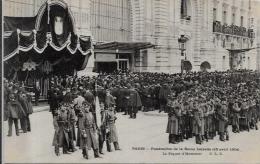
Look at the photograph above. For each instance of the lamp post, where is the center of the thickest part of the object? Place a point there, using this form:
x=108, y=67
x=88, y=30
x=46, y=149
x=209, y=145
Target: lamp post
x=182, y=47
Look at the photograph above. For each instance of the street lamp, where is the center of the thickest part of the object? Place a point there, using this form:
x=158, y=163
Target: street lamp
x=182, y=46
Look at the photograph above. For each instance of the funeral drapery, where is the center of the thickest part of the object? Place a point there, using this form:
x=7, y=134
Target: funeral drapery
x=53, y=27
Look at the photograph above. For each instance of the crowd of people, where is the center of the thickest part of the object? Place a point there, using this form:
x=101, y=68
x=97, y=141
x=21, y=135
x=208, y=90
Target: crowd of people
x=200, y=104
x=75, y=118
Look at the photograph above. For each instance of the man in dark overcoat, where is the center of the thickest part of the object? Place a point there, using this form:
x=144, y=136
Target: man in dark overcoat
x=198, y=122
x=163, y=96
x=87, y=128
x=112, y=136
x=14, y=112
x=61, y=137
x=134, y=103
x=173, y=124
x=223, y=120
x=25, y=121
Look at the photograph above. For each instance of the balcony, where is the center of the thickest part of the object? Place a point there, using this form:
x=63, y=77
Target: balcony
x=232, y=30
x=185, y=20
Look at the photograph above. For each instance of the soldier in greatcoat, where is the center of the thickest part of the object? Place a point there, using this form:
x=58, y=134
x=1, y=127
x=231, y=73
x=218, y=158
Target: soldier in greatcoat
x=25, y=121
x=109, y=100
x=254, y=114
x=14, y=113
x=30, y=110
x=134, y=103
x=125, y=100
x=206, y=120
x=102, y=131
x=109, y=123
x=54, y=99
x=163, y=95
x=146, y=98
x=87, y=128
x=173, y=124
x=236, y=115
x=61, y=137
x=198, y=122
x=71, y=126
x=223, y=120
x=244, y=122
x=211, y=112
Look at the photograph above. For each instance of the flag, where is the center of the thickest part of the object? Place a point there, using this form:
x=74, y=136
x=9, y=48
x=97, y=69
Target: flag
x=98, y=115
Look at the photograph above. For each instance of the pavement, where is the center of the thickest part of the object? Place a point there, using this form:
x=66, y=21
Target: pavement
x=142, y=140
x=43, y=106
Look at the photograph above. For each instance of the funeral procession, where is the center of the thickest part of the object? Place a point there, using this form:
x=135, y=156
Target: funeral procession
x=131, y=81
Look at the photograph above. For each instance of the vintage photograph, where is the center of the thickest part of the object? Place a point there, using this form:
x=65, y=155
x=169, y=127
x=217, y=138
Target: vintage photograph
x=131, y=81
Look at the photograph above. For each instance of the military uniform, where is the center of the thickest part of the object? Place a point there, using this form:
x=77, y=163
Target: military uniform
x=173, y=124
x=61, y=137
x=235, y=118
x=112, y=137
x=198, y=128
x=134, y=103
x=223, y=121
x=14, y=113
x=87, y=128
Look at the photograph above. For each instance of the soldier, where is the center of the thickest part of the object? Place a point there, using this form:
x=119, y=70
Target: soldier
x=109, y=100
x=112, y=137
x=71, y=127
x=30, y=111
x=14, y=112
x=254, y=114
x=61, y=138
x=173, y=125
x=163, y=95
x=146, y=98
x=54, y=99
x=134, y=103
x=223, y=120
x=87, y=128
x=181, y=121
x=186, y=118
x=102, y=131
x=198, y=122
x=244, y=122
x=236, y=115
x=25, y=121
x=206, y=109
x=211, y=128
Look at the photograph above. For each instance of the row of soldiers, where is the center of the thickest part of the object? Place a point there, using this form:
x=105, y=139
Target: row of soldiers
x=75, y=119
x=153, y=88
x=207, y=110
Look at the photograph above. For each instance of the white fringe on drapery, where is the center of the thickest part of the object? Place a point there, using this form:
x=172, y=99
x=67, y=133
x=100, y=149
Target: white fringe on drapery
x=48, y=42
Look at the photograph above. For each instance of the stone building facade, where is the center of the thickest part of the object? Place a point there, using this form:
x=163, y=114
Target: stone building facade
x=210, y=27
x=162, y=22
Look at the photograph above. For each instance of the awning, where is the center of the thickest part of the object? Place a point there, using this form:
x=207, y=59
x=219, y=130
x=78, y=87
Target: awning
x=240, y=50
x=52, y=26
x=124, y=45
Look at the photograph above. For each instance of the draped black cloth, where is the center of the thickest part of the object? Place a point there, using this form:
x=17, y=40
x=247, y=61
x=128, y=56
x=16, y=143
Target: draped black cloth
x=53, y=26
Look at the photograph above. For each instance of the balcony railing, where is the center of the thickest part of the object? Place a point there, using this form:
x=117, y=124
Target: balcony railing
x=232, y=30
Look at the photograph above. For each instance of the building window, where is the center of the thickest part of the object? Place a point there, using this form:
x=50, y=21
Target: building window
x=241, y=21
x=185, y=10
x=233, y=18
x=214, y=14
x=224, y=43
x=224, y=17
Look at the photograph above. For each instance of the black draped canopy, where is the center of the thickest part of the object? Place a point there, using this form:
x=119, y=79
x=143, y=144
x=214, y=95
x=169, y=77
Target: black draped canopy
x=48, y=36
